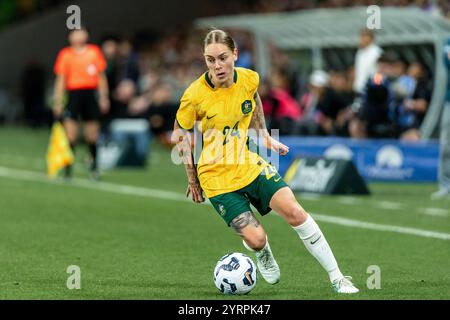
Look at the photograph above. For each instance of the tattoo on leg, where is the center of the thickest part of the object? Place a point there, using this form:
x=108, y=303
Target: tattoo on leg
x=243, y=220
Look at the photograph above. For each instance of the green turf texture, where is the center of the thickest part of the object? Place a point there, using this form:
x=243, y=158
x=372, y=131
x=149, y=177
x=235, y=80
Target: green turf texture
x=134, y=247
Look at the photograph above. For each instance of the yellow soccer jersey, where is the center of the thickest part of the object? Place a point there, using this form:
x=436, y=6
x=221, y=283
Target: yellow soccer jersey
x=222, y=115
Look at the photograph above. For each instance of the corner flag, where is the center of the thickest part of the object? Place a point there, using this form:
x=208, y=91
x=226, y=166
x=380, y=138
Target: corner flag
x=59, y=154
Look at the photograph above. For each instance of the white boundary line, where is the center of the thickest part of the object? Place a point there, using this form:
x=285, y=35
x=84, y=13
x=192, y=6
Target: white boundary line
x=436, y=212
x=174, y=196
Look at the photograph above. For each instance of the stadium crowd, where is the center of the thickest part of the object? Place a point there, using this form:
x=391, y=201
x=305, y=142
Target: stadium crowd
x=390, y=102
x=432, y=6
x=147, y=74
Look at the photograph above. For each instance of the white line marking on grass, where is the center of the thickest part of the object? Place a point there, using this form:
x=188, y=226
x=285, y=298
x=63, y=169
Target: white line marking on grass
x=169, y=195
x=387, y=205
x=349, y=200
x=309, y=196
x=382, y=227
x=435, y=212
x=88, y=184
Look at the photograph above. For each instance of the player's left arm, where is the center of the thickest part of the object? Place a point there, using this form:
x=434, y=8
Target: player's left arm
x=103, y=92
x=258, y=122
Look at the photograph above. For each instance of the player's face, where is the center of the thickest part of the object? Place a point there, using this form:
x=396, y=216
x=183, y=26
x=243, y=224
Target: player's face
x=78, y=37
x=220, y=62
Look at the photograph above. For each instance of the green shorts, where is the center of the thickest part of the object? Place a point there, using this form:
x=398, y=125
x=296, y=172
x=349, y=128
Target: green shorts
x=258, y=193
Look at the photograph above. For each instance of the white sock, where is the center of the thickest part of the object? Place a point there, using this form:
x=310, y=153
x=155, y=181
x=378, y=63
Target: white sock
x=263, y=251
x=253, y=250
x=317, y=245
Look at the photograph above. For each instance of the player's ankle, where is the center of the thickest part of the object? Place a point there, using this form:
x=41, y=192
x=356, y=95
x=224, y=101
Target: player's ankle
x=335, y=274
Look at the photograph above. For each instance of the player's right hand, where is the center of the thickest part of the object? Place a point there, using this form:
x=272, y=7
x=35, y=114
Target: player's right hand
x=104, y=105
x=195, y=189
x=58, y=111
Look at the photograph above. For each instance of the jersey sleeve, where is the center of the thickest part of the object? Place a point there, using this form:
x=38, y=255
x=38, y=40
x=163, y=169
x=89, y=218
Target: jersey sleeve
x=60, y=67
x=186, y=114
x=253, y=82
x=100, y=60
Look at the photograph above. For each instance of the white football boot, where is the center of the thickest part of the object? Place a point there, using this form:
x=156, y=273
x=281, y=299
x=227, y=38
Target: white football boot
x=344, y=285
x=266, y=263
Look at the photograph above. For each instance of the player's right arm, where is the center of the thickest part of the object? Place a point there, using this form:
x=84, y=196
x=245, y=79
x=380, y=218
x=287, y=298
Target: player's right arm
x=58, y=96
x=182, y=139
x=60, y=69
x=185, y=121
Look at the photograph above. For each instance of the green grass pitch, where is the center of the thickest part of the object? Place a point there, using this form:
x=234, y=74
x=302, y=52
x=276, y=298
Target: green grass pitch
x=133, y=243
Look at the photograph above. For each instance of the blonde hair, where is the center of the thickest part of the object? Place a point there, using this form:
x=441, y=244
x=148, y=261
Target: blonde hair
x=219, y=36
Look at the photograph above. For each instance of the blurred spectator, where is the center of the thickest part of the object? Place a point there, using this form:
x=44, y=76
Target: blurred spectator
x=122, y=73
x=155, y=106
x=162, y=112
x=371, y=118
x=281, y=109
x=128, y=61
x=344, y=97
x=309, y=102
x=245, y=59
x=124, y=93
x=365, y=59
x=243, y=42
x=323, y=105
x=110, y=49
x=410, y=112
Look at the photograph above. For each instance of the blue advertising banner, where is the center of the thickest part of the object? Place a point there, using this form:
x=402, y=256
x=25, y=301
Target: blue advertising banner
x=376, y=160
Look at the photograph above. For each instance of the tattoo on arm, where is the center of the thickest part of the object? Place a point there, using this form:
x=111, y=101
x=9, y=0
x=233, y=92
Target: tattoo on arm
x=182, y=139
x=258, y=121
x=243, y=220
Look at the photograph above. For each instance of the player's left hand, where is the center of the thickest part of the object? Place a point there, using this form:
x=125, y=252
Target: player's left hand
x=277, y=146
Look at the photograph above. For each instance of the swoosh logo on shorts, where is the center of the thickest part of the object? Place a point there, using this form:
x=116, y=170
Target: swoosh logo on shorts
x=276, y=180
x=209, y=118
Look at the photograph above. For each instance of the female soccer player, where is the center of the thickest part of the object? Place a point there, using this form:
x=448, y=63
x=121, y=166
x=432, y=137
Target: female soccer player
x=224, y=103
x=79, y=69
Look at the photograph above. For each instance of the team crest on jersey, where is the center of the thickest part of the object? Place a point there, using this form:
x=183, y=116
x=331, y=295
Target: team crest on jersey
x=246, y=107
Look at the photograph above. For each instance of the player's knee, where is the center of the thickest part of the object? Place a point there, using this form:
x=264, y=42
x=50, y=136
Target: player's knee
x=296, y=215
x=256, y=241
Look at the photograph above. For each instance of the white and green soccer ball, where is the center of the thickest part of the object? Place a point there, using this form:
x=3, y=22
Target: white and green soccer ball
x=235, y=273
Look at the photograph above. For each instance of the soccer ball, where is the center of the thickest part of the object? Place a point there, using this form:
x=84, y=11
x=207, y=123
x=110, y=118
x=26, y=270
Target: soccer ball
x=235, y=273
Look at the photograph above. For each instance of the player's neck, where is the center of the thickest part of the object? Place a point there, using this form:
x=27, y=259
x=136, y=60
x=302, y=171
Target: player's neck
x=79, y=48
x=224, y=84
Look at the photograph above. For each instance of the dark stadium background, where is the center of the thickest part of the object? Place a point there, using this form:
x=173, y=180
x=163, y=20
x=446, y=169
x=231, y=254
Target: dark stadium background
x=133, y=234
